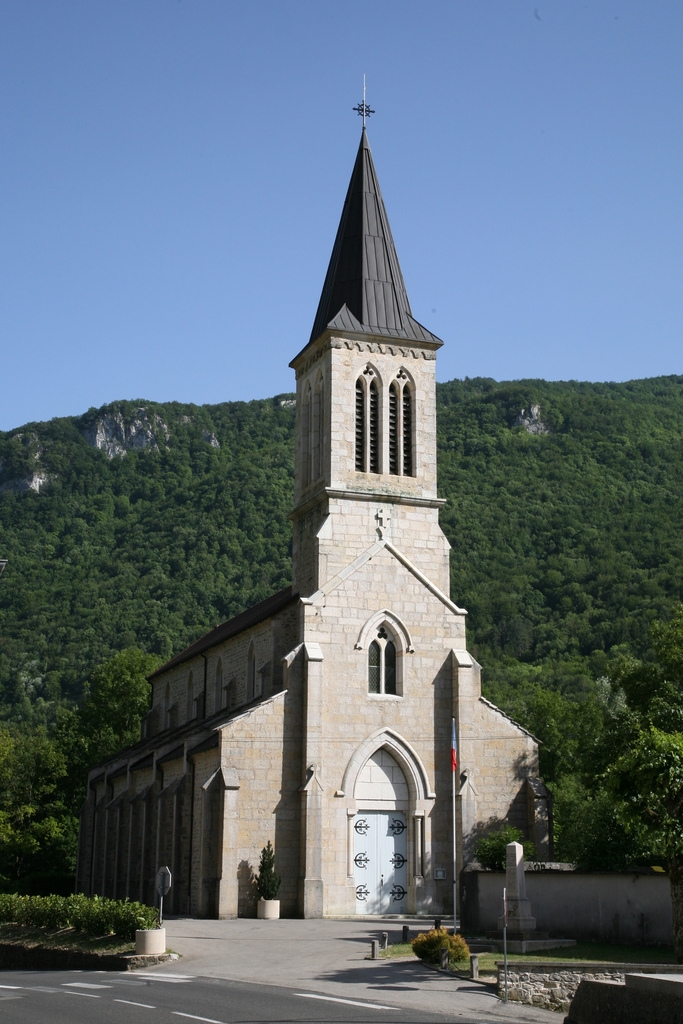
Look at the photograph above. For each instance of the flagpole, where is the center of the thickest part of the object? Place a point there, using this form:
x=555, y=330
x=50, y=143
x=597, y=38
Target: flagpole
x=455, y=835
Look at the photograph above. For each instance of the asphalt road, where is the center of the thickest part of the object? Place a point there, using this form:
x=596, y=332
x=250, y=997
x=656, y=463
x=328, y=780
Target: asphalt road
x=83, y=997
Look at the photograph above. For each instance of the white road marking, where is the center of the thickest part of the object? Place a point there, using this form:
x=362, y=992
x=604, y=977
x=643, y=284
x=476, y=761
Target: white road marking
x=349, y=1002
x=88, y=995
x=11, y=986
x=82, y=984
x=129, y=1002
x=170, y=979
x=207, y=1020
x=161, y=974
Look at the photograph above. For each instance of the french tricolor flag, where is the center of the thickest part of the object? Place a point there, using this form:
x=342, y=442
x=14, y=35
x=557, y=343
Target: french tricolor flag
x=454, y=747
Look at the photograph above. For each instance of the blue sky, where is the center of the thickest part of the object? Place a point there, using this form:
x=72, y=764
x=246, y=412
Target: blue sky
x=173, y=172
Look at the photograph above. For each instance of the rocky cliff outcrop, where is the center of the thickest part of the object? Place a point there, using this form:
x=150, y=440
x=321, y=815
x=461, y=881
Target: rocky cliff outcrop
x=115, y=434
x=34, y=476
x=531, y=420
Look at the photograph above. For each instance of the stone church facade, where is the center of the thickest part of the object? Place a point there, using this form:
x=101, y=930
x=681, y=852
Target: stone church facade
x=321, y=718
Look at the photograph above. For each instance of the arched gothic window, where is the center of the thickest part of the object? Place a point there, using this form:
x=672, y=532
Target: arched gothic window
x=401, y=400
x=167, y=707
x=368, y=438
x=321, y=427
x=407, y=431
x=360, y=426
x=374, y=428
x=382, y=664
x=306, y=438
x=190, y=697
x=218, y=687
x=251, y=673
x=393, y=428
x=231, y=694
x=316, y=427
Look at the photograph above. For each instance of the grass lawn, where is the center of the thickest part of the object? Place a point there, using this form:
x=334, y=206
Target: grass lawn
x=583, y=951
x=64, y=938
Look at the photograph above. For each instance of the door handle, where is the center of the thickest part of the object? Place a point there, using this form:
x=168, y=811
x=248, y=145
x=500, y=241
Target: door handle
x=381, y=880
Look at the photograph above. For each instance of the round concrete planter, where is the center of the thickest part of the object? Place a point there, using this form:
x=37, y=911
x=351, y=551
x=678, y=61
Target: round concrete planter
x=268, y=910
x=150, y=941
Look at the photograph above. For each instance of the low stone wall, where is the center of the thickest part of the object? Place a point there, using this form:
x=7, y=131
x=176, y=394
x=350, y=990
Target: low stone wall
x=552, y=985
x=627, y=908
x=17, y=957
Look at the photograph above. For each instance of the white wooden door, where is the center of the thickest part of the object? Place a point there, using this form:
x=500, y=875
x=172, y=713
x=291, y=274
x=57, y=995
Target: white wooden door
x=381, y=861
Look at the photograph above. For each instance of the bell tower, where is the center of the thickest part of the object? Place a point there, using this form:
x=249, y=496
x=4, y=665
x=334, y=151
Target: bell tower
x=366, y=411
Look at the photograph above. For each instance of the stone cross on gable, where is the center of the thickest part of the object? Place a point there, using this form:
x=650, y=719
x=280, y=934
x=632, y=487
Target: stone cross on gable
x=383, y=519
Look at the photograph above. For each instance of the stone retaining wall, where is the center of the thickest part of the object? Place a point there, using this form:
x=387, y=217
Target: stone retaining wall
x=552, y=985
x=18, y=957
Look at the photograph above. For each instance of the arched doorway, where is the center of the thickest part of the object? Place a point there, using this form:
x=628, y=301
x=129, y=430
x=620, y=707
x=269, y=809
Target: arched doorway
x=380, y=836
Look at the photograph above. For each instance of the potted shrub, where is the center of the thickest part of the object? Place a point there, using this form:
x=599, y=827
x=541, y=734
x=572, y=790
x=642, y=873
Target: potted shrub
x=268, y=884
x=150, y=937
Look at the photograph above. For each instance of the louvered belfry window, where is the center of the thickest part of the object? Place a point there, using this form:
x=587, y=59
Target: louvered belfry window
x=306, y=439
x=320, y=440
x=360, y=427
x=393, y=428
x=315, y=432
x=374, y=427
x=375, y=451
x=407, y=432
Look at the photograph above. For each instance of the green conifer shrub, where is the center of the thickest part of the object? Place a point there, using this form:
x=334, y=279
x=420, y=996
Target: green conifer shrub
x=268, y=881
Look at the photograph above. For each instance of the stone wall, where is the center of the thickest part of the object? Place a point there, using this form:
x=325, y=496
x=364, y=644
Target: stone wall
x=627, y=908
x=175, y=693
x=552, y=986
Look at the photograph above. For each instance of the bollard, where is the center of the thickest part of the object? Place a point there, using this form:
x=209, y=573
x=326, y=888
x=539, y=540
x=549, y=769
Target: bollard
x=385, y=940
x=444, y=959
x=474, y=966
x=406, y=933
x=437, y=923
x=374, y=947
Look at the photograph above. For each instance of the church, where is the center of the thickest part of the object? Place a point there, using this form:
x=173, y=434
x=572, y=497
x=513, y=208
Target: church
x=321, y=719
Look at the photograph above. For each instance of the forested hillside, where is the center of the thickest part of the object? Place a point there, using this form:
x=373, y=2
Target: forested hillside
x=142, y=525
x=567, y=541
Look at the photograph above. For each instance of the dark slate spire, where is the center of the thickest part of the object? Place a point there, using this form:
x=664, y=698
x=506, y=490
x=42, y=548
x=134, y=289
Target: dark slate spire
x=364, y=290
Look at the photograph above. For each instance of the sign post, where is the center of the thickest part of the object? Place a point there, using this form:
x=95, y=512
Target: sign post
x=162, y=884
x=454, y=765
x=505, y=941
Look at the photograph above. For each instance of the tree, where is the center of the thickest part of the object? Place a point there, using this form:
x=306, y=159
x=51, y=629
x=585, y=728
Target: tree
x=648, y=782
x=37, y=832
x=117, y=700
x=647, y=779
x=491, y=850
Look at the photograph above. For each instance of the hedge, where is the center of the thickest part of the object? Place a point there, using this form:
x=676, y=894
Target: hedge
x=91, y=915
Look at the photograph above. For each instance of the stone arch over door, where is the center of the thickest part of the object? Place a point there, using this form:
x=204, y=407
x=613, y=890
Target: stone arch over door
x=382, y=783
x=406, y=787
x=408, y=760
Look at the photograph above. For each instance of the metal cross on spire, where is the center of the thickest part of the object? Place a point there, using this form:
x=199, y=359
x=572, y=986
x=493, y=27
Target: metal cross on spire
x=363, y=109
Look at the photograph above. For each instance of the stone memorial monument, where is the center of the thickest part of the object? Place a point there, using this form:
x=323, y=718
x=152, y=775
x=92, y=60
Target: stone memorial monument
x=520, y=924
x=522, y=936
